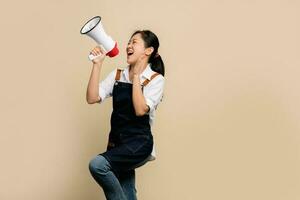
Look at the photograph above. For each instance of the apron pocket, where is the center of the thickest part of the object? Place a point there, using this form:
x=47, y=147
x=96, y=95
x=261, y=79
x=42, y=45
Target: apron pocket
x=135, y=143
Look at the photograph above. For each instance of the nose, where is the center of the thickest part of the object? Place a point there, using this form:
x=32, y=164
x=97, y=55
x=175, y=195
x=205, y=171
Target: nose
x=129, y=46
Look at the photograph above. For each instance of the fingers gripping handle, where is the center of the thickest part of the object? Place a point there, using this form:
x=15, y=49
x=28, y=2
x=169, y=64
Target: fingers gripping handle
x=92, y=57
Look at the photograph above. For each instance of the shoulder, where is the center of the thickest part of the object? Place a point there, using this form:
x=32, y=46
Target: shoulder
x=117, y=69
x=156, y=81
x=154, y=76
x=157, y=78
x=112, y=74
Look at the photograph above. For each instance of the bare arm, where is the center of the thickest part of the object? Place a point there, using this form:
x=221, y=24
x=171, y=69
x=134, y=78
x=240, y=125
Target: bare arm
x=92, y=93
x=138, y=98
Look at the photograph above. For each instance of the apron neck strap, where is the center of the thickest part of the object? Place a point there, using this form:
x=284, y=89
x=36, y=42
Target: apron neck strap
x=152, y=77
x=118, y=74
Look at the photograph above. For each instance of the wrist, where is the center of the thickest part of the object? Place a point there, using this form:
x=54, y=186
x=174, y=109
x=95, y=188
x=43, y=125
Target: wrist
x=136, y=77
x=99, y=64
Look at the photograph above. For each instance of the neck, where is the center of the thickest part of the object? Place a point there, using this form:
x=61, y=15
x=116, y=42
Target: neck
x=131, y=67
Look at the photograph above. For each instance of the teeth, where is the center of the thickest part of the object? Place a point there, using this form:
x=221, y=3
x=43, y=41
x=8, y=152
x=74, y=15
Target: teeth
x=129, y=52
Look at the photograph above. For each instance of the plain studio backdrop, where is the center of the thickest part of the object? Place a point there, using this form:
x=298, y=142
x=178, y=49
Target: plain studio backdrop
x=229, y=124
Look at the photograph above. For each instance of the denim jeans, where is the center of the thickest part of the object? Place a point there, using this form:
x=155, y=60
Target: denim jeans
x=119, y=186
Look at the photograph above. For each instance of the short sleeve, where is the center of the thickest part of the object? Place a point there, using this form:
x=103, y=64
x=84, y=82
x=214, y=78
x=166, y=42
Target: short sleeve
x=153, y=92
x=106, y=86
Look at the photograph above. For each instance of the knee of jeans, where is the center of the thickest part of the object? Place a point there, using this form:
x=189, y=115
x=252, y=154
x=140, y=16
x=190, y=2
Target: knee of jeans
x=99, y=165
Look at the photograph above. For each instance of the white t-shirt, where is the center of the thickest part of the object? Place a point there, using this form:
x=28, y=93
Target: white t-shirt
x=153, y=91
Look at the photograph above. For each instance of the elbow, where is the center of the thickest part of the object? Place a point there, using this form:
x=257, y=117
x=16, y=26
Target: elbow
x=90, y=102
x=141, y=112
x=93, y=100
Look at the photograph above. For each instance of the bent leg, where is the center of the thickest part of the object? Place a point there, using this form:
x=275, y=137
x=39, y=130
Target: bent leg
x=101, y=171
x=127, y=181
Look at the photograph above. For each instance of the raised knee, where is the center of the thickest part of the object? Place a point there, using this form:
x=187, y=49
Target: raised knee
x=92, y=165
x=99, y=165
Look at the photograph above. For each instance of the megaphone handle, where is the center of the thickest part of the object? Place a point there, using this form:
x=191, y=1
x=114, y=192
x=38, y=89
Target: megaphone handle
x=92, y=57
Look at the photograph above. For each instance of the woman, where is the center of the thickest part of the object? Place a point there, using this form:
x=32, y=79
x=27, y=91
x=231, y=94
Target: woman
x=136, y=92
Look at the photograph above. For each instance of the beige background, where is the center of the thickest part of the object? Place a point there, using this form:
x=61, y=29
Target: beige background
x=228, y=127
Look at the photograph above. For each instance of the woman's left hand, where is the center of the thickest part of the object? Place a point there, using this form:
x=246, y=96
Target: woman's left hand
x=138, y=67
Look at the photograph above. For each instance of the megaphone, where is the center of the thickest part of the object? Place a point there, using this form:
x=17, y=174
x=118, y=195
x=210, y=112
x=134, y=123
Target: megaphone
x=94, y=29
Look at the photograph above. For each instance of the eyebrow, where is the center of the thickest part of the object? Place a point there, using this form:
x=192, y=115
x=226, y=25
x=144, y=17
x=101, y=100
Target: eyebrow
x=132, y=40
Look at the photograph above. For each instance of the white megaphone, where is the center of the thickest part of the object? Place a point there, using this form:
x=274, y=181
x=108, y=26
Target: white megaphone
x=94, y=29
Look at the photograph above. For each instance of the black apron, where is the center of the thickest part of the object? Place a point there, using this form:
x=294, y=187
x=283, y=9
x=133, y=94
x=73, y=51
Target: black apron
x=130, y=139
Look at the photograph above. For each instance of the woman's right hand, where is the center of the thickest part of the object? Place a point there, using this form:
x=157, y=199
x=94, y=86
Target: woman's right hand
x=97, y=51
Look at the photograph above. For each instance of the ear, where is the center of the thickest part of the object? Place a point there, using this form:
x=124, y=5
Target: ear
x=149, y=50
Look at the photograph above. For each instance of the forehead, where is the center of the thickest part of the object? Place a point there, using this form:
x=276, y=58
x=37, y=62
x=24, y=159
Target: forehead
x=136, y=37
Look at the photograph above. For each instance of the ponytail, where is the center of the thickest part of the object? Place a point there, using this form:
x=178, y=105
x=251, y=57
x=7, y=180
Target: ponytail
x=157, y=64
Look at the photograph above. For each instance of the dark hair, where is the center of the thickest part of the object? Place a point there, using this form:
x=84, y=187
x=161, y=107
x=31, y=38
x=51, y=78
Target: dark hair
x=151, y=40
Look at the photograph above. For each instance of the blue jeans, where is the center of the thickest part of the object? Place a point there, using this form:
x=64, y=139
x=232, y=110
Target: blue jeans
x=119, y=186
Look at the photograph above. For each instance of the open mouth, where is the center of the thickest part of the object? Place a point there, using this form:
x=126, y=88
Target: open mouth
x=129, y=53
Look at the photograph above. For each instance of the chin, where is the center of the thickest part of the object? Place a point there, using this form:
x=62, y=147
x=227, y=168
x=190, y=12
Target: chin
x=130, y=61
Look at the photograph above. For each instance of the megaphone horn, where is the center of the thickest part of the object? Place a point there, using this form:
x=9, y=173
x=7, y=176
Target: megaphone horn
x=94, y=29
